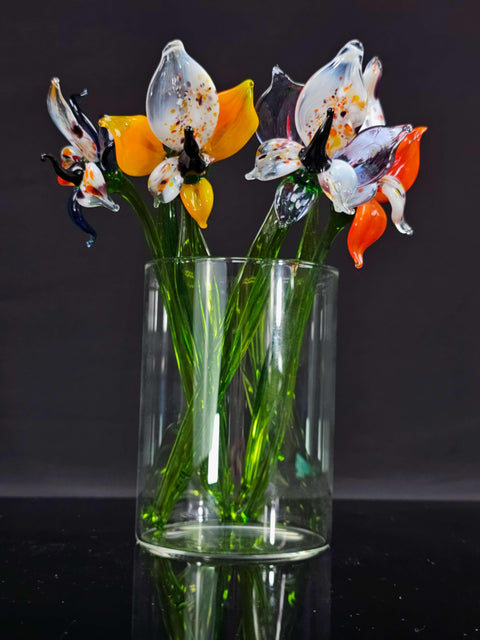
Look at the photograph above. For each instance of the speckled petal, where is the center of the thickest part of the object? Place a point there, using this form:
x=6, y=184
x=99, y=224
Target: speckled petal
x=293, y=200
x=69, y=156
x=363, y=194
x=371, y=77
x=275, y=158
x=339, y=85
x=372, y=152
x=165, y=181
x=93, y=190
x=276, y=108
x=339, y=183
x=138, y=150
x=65, y=120
x=393, y=189
x=181, y=94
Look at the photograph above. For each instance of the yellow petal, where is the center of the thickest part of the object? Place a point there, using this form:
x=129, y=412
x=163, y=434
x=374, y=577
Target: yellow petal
x=198, y=200
x=138, y=150
x=237, y=122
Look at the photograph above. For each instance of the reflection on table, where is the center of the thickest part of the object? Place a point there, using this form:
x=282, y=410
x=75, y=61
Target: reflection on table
x=179, y=600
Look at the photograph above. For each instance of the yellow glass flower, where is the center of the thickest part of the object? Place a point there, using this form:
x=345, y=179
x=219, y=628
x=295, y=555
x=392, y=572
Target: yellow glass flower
x=188, y=126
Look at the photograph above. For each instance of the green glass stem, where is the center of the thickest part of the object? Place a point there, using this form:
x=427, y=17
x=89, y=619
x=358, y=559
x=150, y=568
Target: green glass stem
x=315, y=246
x=117, y=182
x=191, y=242
x=160, y=233
x=248, y=296
x=276, y=389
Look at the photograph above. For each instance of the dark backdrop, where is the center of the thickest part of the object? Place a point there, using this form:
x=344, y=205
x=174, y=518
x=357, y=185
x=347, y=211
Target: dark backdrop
x=70, y=324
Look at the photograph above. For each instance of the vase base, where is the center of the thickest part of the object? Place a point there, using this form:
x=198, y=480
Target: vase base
x=233, y=543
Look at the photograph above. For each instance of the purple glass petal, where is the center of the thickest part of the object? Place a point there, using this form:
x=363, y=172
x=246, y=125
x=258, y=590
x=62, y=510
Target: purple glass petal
x=276, y=108
x=372, y=151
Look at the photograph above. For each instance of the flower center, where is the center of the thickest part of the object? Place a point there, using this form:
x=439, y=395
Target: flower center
x=190, y=158
x=314, y=157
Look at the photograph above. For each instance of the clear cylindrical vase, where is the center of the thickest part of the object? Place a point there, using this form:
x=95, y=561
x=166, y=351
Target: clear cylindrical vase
x=237, y=408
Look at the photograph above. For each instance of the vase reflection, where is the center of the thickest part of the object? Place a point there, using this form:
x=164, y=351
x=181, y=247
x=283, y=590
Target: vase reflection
x=178, y=600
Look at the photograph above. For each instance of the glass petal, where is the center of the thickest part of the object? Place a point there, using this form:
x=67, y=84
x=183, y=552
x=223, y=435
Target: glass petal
x=363, y=194
x=393, y=189
x=93, y=189
x=275, y=158
x=339, y=85
x=371, y=77
x=339, y=183
x=407, y=160
x=198, y=200
x=64, y=119
x=138, y=150
x=181, y=94
x=371, y=153
x=165, y=181
x=276, y=108
x=76, y=214
x=293, y=200
x=237, y=122
x=368, y=225
x=69, y=157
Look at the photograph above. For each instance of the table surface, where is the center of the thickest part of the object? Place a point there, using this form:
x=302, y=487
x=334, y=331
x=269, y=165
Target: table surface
x=70, y=570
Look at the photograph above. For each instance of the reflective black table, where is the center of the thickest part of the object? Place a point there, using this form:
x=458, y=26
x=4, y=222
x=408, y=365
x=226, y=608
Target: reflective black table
x=70, y=569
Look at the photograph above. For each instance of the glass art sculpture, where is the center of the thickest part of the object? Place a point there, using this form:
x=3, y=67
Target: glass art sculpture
x=235, y=455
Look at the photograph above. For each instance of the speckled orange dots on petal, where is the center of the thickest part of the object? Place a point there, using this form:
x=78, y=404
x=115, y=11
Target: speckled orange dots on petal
x=137, y=149
x=368, y=225
x=181, y=94
x=237, y=122
x=198, y=200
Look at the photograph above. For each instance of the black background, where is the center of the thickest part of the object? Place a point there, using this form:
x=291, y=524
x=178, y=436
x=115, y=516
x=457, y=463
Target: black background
x=70, y=318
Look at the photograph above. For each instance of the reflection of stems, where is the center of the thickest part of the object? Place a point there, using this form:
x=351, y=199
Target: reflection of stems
x=191, y=600
x=171, y=597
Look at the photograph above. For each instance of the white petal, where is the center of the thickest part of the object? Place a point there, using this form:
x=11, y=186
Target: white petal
x=339, y=85
x=94, y=189
x=339, y=183
x=64, y=119
x=363, y=195
x=181, y=94
x=275, y=158
x=165, y=181
x=393, y=189
x=371, y=76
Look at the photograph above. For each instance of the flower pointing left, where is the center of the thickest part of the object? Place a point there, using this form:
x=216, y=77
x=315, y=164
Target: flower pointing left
x=188, y=127
x=82, y=162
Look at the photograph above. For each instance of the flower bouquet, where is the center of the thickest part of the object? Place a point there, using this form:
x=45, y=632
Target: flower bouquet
x=237, y=400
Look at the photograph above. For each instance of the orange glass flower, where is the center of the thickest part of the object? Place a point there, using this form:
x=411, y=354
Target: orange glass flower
x=188, y=126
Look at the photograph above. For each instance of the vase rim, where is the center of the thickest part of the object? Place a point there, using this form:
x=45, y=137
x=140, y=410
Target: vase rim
x=239, y=260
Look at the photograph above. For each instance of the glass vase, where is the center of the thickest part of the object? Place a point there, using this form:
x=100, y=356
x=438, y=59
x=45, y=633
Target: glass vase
x=237, y=409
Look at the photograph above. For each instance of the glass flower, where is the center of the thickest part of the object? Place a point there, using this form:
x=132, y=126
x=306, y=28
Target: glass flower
x=81, y=161
x=188, y=126
x=334, y=128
